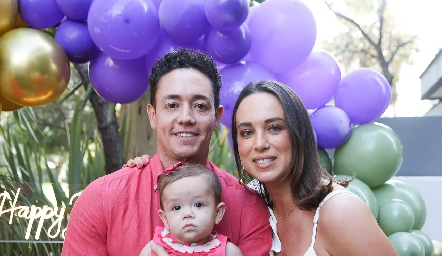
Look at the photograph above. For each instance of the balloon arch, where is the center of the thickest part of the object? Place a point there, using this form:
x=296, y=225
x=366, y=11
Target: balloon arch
x=274, y=40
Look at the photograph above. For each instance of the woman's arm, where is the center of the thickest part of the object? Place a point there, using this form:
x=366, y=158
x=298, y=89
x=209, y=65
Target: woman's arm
x=349, y=228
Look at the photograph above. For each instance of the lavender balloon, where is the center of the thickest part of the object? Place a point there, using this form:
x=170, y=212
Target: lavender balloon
x=332, y=126
x=124, y=29
x=283, y=34
x=118, y=81
x=226, y=14
x=230, y=46
x=163, y=46
x=40, y=14
x=183, y=21
x=74, y=9
x=234, y=78
x=364, y=95
x=315, y=80
x=74, y=38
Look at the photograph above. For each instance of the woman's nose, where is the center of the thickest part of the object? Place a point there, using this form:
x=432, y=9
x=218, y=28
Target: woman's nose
x=261, y=142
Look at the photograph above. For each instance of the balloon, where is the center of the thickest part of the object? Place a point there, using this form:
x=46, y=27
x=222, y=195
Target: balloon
x=315, y=80
x=8, y=15
x=226, y=14
x=283, y=34
x=394, y=189
x=118, y=81
x=425, y=240
x=74, y=38
x=395, y=215
x=364, y=94
x=197, y=44
x=363, y=191
x=183, y=21
x=74, y=9
x=124, y=29
x=41, y=13
x=34, y=69
x=332, y=126
x=325, y=160
x=230, y=46
x=234, y=78
x=7, y=105
x=373, y=151
x=163, y=46
x=20, y=23
x=406, y=244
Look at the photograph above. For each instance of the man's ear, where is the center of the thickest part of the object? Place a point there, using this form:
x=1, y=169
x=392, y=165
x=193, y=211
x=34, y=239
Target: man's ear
x=162, y=215
x=220, y=210
x=151, y=112
x=218, y=114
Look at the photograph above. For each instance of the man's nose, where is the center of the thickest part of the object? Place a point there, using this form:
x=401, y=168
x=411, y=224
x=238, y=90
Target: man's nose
x=186, y=115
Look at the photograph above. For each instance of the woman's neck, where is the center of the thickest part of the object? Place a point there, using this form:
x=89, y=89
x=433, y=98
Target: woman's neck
x=281, y=195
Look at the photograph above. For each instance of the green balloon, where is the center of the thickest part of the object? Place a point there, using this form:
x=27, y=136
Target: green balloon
x=325, y=160
x=363, y=191
x=373, y=151
x=395, y=215
x=425, y=240
x=407, y=244
x=395, y=189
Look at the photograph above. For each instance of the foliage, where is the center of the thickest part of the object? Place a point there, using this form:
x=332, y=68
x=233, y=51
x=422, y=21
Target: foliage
x=221, y=152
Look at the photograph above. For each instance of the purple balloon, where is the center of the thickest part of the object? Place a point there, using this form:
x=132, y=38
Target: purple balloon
x=234, y=78
x=283, y=34
x=332, y=126
x=226, y=14
x=183, y=21
x=74, y=38
x=230, y=46
x=163, y=46
x=118, y=81
x=315, y=80
x=364, y=95
x=41, y=13
x=195, y=44
x=74, y=9
x=124, y=29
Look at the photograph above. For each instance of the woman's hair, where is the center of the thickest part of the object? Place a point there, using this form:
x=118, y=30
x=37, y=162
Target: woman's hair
x=190, y=170
x=307, y=177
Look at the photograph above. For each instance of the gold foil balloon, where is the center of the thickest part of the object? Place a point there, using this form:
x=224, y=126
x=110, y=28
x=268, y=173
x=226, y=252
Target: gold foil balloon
x=34, y=69
x=8, y=15
x=7, y=105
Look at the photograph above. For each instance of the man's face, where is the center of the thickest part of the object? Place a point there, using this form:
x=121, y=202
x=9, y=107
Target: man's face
x=184, y=117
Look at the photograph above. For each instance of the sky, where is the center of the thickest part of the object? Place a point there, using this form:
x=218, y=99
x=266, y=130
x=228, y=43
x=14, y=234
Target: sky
x=421, y=18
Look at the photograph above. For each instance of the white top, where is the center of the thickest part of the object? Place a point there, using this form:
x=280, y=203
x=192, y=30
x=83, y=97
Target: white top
x=276, y=243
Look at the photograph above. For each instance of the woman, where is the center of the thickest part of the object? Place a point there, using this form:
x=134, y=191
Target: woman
x=274, y=143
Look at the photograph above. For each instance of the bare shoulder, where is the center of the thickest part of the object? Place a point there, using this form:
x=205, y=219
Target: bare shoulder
x=233, y=250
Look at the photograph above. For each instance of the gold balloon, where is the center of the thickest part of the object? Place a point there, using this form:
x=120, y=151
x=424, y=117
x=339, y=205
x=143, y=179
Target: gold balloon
x=8, y=15
x=34, y=69
x=7, y=105
x=20, y=23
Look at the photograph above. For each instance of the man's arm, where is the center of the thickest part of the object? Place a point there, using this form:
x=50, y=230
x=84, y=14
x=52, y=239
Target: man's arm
x=86, y=230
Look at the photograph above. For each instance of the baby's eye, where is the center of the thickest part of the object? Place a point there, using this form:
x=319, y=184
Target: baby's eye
x=176, y=208
x=198, y=204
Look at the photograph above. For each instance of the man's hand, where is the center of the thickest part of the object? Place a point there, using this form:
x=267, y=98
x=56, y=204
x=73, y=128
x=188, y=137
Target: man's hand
x=153, y=247
x=139, y=162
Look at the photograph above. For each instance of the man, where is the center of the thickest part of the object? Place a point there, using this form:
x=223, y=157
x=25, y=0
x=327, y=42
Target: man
x=117, y=214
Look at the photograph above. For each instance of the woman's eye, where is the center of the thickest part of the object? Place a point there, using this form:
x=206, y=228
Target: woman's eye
x=176, y=208
x=275, y=128
x=245, y=133
x=198, y=205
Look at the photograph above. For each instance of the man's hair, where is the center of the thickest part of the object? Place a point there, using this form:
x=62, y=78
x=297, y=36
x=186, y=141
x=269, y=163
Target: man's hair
x=190, y=170
x=185, y=58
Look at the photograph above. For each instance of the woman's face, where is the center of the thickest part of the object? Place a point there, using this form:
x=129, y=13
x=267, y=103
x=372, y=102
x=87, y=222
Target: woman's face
x=263, y=138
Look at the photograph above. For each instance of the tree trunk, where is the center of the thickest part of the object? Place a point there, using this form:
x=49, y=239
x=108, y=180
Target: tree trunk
x=107, y=124
x=139, y=138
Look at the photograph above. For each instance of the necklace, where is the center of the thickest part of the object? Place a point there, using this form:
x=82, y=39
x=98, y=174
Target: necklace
x=287, y=214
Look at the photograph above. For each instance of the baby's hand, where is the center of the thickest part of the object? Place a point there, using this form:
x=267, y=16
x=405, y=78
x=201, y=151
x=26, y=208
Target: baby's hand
x=139, y=162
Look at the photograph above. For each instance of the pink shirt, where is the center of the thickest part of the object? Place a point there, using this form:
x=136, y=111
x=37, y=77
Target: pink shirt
x=117, y=214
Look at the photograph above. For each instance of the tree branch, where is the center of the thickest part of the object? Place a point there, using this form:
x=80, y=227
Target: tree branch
x=401, y=45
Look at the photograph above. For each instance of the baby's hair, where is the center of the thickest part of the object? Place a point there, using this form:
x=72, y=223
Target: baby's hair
x=190, y=170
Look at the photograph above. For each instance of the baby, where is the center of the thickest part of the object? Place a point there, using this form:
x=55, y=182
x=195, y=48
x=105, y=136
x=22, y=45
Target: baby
x=190, y=199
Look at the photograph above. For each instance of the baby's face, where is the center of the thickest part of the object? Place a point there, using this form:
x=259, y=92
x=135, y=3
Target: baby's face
x=189, y=209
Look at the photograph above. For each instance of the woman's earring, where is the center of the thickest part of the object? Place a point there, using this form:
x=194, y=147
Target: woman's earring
x=242, y=180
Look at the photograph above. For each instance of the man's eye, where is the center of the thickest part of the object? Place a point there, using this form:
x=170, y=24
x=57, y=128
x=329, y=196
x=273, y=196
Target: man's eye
x=176, y=208
x=171, y=105
x=201, y=106
x=198, y=205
